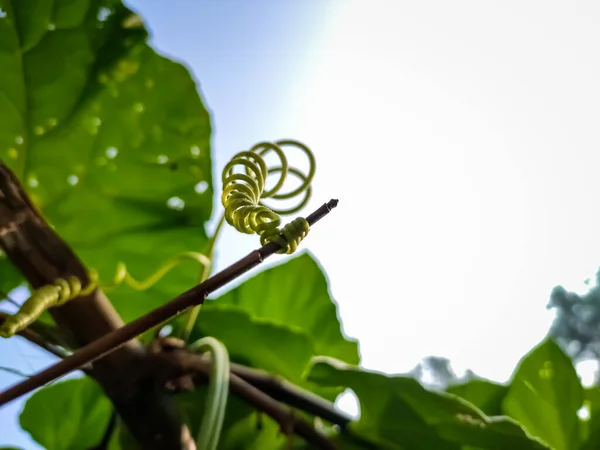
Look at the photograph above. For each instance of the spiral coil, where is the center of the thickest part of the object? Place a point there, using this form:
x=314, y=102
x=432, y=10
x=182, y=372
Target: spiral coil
x=243, y=192
x=56, y=294
x=242, y=199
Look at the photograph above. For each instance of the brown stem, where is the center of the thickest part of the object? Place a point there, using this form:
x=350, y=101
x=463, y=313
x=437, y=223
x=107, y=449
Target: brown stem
x=112, y=341
x=290, y=394
x=178, y=362
x=42, y=256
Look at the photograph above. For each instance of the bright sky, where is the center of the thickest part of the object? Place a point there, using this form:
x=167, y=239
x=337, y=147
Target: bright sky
x=460, y=138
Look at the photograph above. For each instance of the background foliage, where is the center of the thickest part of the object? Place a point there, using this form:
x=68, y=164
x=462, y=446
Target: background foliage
x=97, y=124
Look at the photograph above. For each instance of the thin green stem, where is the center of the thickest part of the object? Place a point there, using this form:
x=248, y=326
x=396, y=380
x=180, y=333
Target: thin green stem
x=192, y=316
x=218, y=390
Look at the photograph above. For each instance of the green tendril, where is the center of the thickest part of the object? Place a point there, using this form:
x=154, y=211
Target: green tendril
x=69, y=288
x=63, y=290
x=244, y=210
x=218, y=389
x=243, y=192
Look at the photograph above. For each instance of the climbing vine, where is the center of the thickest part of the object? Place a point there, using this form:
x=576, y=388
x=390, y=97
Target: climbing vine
x=112, y=147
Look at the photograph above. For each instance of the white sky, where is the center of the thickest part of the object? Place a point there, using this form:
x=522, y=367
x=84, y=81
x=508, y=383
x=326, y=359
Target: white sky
x=461, y=138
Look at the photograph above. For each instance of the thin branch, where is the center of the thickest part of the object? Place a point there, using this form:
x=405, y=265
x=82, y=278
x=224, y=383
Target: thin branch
x=292, y=395
x=178, y=362
x=14, y=372
x=40, y=254
x=288, y=422
x=110, y=342
x=9, y=299
x=44, y=343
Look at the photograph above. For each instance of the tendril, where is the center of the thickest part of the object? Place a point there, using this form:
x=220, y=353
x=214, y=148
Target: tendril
x=56, y=294
x=243, y=192
x=242, y=199
x=68, y=288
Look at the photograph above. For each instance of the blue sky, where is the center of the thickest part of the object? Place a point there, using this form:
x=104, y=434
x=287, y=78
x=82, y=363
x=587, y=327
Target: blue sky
x=459, y=136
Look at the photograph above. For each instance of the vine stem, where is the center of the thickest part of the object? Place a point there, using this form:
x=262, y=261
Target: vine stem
x=113, y=340
x=192, y=316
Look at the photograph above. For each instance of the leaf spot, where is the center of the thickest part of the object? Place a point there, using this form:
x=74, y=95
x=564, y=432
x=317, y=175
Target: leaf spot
x=195, y=150
x=201, y=187
x=52, y=122
x=72, y=180
x=475, y=421
x=32, y=181
x=162, y=159
x=2, y=13
x=19, y=140
x=39, y=130
x=112, y=152
x=51, y=27
x=176, y=203
x=132, y=21
x=584, y=412
x=165, y=331
x=138, y=107
x=149, y=83
x=13, y=153
x=103, y=14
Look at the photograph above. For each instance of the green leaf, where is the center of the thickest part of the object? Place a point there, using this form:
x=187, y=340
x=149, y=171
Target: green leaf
x=296, y=294
x=110, y=139
x=10, y=277
x=192, y=405
x=275, y=348
x=545, y=395
x=252, y=433
x=68, y=415
x=484, y=394
x=399, y=413
x=590, y=427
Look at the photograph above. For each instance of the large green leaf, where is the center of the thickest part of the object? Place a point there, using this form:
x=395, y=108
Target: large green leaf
x=400, y=413
x=110, y=139
x=67, y=415
x=545, y=395
x=484, y=394
x=296, y=294
x=275, y=348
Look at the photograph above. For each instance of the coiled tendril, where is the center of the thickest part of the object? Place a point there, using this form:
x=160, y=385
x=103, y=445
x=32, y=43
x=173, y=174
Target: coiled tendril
x=242, y=195
x=63, y=290
x=68, y=288
x=243, y=192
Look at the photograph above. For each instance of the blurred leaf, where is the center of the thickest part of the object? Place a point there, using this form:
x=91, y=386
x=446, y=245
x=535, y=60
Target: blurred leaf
x=10, y=277
x=67, y=415
x=275, y=348
x=545, y=395
x=246, y=434
x=399, y=413
x=192, y=406
x=295, y=294
x=109, y=138
x=484, y=394
x=590, y=434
